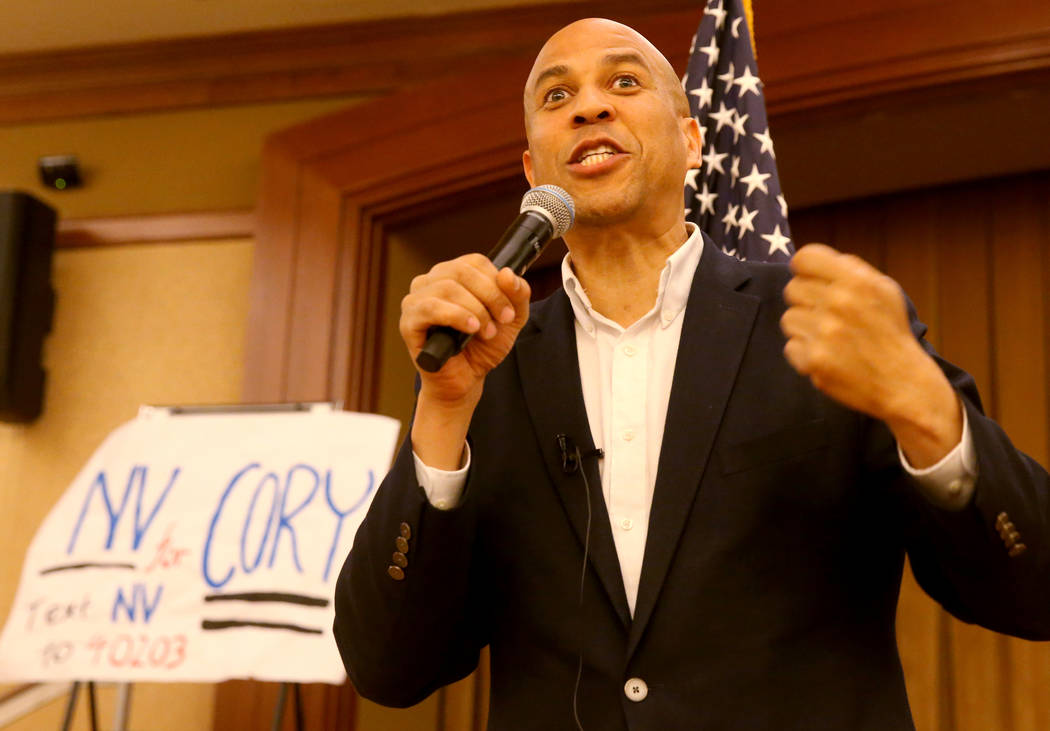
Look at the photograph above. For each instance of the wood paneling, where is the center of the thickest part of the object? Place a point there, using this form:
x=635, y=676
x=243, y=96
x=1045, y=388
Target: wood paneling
x=367, y=58
x=823, y=53
x=911, y=258
x=975, y=261
x=967, y=338
x=1018, y=228
x=198, y=226
x=814, y=54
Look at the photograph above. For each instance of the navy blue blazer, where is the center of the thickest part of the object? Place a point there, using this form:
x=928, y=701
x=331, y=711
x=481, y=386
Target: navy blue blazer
x=777, y=536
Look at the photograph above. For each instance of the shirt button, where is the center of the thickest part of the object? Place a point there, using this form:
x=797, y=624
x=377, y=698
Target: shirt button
x=667, y=315
x=628, y=435
x=636, y=689
x=626, y=523
x=955, y=487
x=629, y=350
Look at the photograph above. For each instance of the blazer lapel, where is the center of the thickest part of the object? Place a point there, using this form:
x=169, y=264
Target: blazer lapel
x=717, y=327
x=550, y=379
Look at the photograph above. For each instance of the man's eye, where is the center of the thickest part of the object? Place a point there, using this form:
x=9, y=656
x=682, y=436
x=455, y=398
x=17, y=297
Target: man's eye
x=625, y=82
x=554, y=96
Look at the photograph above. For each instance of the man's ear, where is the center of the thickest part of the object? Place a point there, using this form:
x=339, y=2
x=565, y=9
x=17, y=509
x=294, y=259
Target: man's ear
x=526, y=164
x=691, y=130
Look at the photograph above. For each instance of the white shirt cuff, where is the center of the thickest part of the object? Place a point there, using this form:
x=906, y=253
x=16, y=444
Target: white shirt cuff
x=443, y=488
x=950, y=483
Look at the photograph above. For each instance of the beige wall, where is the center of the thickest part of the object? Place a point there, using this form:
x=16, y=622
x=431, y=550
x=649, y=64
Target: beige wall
x=148, y=324
x=206, y=159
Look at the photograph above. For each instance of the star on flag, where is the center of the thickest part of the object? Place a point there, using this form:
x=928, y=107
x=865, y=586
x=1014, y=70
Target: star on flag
x=777, y=242
x=755, y=179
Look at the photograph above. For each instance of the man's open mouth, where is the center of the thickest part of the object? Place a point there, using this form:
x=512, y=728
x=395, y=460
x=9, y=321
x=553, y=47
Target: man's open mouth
x=595, y=155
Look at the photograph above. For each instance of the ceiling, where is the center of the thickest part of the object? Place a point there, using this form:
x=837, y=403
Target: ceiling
x=55, y=24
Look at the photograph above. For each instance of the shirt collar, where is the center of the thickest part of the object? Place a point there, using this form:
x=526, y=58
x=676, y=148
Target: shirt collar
x=676, y=280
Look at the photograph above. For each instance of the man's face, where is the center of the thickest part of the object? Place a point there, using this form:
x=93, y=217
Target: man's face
x=605, y=121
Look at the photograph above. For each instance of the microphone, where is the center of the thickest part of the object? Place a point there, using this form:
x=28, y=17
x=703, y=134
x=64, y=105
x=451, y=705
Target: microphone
x=546, y=212
x=571, y=454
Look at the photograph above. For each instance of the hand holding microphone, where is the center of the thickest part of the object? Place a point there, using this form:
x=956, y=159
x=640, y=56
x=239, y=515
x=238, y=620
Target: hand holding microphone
x=476, y=305
x=546, y=212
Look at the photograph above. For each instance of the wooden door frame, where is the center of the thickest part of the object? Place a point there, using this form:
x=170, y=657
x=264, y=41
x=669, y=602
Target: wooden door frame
x=332, y=188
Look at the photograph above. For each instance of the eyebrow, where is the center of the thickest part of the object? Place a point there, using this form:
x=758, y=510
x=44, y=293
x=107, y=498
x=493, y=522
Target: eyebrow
x=614, y=59
x=610, y=59
x=559, y=70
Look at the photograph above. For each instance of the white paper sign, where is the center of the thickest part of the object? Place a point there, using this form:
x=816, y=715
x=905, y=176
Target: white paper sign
x=199, y=548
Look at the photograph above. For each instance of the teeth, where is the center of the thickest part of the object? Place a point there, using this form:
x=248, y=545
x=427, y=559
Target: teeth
x=601, y=153
x=595, y=158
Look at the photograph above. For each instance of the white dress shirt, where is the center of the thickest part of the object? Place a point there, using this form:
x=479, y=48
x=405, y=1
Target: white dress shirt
x=626, y=374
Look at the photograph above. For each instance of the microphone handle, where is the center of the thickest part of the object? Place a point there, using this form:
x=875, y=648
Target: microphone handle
x=519, y=246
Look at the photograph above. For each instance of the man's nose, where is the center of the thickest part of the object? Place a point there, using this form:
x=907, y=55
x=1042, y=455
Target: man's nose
x=591, y=107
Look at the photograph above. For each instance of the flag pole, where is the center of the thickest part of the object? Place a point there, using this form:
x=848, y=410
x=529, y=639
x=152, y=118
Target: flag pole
x=750, y=14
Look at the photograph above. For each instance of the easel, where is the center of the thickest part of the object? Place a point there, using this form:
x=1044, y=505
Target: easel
x=120, y=720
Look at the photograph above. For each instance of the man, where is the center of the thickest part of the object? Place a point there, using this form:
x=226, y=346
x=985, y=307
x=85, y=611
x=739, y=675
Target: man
x=763, y=468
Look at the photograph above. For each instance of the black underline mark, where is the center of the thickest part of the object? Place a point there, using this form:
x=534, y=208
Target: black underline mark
x=93, y=565
x=215, y=624
x=269, y=596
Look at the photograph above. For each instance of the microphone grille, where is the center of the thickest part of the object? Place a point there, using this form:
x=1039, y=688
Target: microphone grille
x=554, y=202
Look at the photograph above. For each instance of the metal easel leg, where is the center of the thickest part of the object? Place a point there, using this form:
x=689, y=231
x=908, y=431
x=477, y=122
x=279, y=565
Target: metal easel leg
x=71, y=705
x=92, y=711
x=278, y=711
x=120, y=718
x=298, y=706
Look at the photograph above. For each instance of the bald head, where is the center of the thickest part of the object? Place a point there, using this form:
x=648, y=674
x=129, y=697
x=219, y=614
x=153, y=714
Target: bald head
x=609, y=33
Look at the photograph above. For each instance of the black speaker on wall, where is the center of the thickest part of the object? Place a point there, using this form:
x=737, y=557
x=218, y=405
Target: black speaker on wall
x=27, y=238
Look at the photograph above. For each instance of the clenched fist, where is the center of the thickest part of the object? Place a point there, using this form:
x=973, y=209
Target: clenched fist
x=848, y=331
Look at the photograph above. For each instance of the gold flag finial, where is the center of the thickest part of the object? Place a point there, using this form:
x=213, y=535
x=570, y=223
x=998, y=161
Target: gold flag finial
x=750, y=14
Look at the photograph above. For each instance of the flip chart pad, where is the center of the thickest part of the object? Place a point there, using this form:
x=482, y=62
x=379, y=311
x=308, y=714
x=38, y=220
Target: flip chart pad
x=199, y=547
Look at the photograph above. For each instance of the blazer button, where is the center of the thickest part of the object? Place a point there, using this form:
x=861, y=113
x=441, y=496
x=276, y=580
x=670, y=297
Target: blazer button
x=406, y=531
x=636, y=689
x=400, y=559
x=402, y=544
x=395, y=573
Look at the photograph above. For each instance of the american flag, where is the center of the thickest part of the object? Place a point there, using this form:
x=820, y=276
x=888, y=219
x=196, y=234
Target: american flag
x=735, y=195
